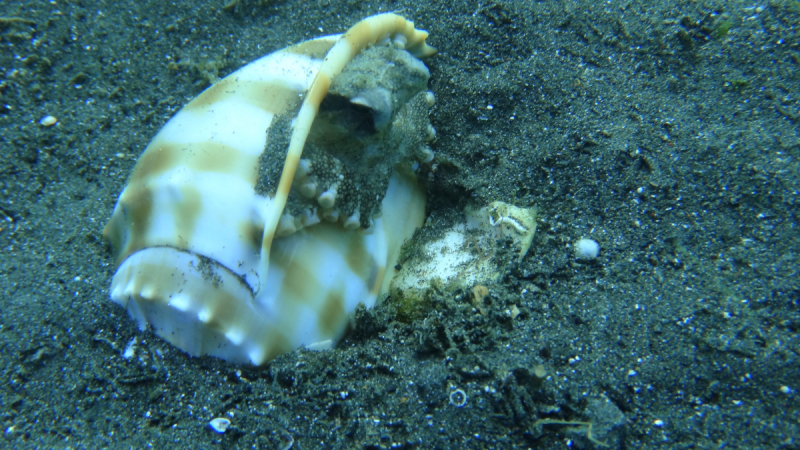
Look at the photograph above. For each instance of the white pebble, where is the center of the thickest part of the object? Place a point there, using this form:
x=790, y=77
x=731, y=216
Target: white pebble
x=220, y=424
x=48, y=121
x=587, y=249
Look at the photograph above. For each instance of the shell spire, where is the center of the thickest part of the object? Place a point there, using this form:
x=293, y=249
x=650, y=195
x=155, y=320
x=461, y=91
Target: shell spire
x=369, y=31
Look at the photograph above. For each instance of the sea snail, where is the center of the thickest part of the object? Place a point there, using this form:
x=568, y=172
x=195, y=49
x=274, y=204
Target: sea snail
x=276, y=201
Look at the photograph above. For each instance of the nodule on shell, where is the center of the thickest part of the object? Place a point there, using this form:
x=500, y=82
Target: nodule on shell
x=271, y=205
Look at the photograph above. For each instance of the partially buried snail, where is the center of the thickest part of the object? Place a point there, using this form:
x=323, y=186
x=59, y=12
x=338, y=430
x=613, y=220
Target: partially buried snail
x=277, y=200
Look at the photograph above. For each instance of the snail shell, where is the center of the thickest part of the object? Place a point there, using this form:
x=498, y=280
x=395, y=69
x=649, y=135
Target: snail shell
x=276, y=201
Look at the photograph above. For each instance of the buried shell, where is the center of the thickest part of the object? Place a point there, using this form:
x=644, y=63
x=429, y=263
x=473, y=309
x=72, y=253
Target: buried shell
x=245, y=231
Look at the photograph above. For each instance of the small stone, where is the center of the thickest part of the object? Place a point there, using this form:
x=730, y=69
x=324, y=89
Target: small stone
x=219, y=424
x=48, y=121
x=587, y=249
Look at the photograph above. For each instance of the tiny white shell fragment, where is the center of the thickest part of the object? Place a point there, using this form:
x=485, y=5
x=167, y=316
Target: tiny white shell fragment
x=458, y=398
x=219, y=424
x=130, y=349
x=321, y=345
x=48, y=121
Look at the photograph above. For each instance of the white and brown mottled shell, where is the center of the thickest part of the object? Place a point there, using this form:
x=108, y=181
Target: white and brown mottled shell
x=273, y=203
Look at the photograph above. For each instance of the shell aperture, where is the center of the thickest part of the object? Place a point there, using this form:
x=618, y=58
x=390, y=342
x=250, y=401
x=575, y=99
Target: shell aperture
x=229, y=244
